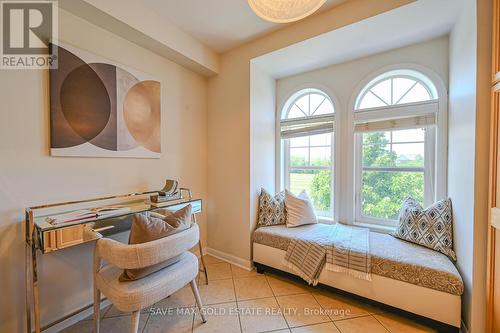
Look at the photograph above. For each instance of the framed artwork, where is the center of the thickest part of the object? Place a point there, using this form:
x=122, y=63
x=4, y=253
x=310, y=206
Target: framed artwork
x=101, y=109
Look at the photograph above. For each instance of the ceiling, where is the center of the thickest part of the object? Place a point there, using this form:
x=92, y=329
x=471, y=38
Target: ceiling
x=219, y=24
x=371, y=36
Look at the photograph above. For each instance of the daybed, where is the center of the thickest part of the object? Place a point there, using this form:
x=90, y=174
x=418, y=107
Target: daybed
x=404, y=275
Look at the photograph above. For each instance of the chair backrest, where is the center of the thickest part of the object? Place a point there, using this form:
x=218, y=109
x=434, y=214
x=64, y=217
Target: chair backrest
x=146, y=254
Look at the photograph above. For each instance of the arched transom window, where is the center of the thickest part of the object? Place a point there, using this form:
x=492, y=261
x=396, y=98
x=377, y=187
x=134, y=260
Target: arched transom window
x=396, y=88
x=306, y=129
x=308, y=102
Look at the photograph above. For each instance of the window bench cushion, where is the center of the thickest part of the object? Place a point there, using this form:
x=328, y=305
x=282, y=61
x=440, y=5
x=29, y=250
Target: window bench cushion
x=391, y=257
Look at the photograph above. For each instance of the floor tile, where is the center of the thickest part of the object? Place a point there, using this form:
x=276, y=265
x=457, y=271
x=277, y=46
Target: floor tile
x=361, y=325
x=339, y=307
x=252, y=288
x=217, y=271
x=398, y=324
x=283, y=286
x=305, y=309
x=301, y=310
x=219, y=291
x=220, y=318
x=318, y=328
x=182, y=298
x=121, y=324
x=179, y=320
x=114, y=312
x=261, y=315
x=239, y=272
x=84, y=326
x=102, y=312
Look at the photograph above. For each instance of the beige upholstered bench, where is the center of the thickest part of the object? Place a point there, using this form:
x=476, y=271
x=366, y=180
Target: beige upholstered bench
x=404, y=275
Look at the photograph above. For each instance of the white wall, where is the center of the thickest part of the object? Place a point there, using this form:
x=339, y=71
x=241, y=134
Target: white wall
x=343, y=82
x=461, y=151
x=262, y=137
x=469, y=124
x=29, y=176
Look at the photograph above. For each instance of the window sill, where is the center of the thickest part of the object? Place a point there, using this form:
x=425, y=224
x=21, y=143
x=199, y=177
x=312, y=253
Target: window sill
x=326, y=220
x=385, y=229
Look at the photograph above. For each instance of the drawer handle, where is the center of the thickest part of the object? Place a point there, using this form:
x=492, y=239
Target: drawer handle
x=104, y=228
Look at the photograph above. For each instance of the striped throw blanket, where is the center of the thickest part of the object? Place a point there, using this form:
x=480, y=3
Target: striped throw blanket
x=349, y=252
x=341, y=248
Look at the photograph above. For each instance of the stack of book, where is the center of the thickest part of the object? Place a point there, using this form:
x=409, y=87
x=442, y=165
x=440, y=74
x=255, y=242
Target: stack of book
x=87, y=214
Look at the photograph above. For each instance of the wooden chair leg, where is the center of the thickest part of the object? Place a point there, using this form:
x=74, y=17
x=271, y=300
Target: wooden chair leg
x=196, y=293
x=97, y=310
x=134, y=321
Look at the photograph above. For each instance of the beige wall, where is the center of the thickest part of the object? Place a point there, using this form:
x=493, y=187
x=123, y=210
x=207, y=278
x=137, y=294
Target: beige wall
x=229, y=123
x=29, y=176
x=126, y=18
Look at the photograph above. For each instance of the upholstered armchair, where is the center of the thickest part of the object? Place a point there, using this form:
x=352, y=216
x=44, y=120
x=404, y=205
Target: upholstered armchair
x=132, y=296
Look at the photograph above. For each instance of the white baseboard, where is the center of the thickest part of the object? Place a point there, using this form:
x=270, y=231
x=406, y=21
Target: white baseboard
x=463, y=328
x=242, y=263
x=75, y=319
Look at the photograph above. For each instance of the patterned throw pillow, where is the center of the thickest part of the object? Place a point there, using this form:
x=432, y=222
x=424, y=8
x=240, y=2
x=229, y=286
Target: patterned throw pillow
x=431, y=227
x=271, y=209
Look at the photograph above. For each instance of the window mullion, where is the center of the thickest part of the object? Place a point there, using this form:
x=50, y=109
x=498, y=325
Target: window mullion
x=392, y=91
x=407, y=92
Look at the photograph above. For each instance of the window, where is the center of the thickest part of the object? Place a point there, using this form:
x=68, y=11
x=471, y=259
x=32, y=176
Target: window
x=395, y=131
x=396, y=88
x=306, y=129
x=392, y=169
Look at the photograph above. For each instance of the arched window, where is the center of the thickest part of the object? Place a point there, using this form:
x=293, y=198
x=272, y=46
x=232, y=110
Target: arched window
x=395, y=124
x=397, y=87
x=306, y=130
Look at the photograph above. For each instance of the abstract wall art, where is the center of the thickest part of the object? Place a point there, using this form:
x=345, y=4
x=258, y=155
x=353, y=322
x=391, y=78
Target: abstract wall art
x=100, y=109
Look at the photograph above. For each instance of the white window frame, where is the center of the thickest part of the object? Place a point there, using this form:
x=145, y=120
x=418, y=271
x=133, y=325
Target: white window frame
x=435, y=145
x=283, y=145
x=428, y=171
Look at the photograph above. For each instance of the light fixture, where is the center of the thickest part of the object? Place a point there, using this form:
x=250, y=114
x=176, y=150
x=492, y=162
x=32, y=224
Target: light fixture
x=284, y=11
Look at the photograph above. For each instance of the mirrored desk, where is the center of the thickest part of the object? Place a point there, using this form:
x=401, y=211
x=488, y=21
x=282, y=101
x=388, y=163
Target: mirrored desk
x=44, y=237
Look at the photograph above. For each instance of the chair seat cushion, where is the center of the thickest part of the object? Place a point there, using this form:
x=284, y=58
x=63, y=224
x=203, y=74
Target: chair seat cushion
x=135, y=295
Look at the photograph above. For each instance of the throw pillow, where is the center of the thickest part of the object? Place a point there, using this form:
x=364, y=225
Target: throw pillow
x=431, y=227
x=271, y=209
x=299, y=210
x=150, y=227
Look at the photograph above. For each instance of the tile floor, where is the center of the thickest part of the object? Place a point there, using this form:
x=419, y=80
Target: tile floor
x=240, y=301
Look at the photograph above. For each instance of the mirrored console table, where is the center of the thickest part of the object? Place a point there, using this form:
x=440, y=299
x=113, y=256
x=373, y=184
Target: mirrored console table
x=45, y=237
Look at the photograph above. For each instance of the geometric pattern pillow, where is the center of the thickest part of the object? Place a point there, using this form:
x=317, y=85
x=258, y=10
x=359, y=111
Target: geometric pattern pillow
x=431, y=227
x=271, y=209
